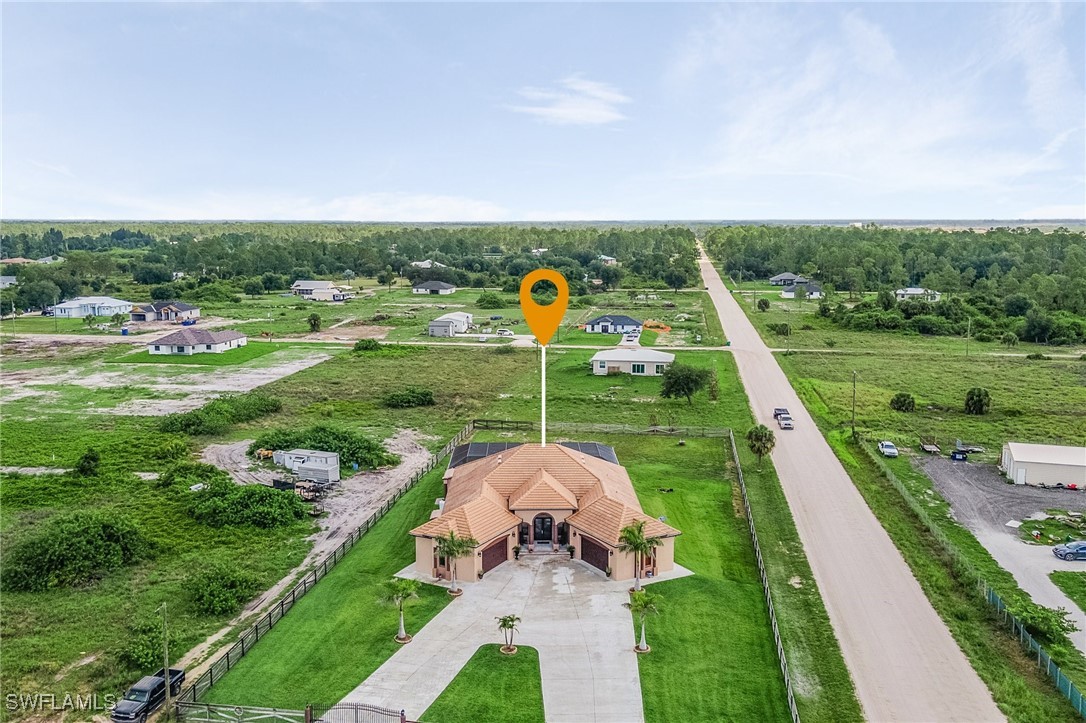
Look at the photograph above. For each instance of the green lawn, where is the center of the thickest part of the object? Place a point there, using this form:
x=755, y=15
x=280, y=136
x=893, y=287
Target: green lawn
x=492, y=687
x=1073, y=585
x=341, y=631
x=240, y=355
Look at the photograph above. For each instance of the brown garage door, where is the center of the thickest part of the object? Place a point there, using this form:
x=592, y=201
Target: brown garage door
x=594, y=553
x=494, y=555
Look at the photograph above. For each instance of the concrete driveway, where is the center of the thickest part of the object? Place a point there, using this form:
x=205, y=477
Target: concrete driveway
x=905, y=664
x=571, y=614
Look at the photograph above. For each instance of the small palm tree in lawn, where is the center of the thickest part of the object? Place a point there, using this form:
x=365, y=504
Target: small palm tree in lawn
x=632, y=540
x=508, y=625
x=398, y=591
x=642, y=604
x=761, y=441
x=451, y=547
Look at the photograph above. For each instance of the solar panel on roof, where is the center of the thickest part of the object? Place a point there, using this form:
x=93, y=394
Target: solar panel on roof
x=477, y=450
x=594, y=449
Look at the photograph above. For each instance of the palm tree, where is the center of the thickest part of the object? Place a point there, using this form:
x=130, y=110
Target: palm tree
x=451, y=547
x=642, y=604
x=508, y=625
x=398, y=591
x=314, y=322
x=89, y=320
x=632, y=540
x=761, y=441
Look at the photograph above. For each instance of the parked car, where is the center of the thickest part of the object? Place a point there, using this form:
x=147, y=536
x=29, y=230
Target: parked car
x=495, y=317
x=785, y=422
x=778, y=411
x=887, y=449
x=1071, y=551
x=505, y=332
x=146, y=696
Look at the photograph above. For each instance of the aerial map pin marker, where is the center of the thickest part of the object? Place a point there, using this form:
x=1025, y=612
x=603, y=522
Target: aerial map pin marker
x=543, y=320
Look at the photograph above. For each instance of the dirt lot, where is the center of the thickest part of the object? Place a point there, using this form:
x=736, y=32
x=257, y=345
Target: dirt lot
x=981, y=497
x=348, y=506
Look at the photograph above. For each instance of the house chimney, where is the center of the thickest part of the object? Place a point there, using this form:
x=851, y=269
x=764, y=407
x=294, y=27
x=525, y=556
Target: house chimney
x=499, y=459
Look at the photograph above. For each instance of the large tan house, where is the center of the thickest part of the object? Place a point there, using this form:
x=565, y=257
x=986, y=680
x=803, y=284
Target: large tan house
x=542, y=498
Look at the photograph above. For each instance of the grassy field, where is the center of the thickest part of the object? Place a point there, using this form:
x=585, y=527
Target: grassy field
x=341, y=631
x=1025, y=405
x=43, y=633
x=492, y=687
x=1073, y=585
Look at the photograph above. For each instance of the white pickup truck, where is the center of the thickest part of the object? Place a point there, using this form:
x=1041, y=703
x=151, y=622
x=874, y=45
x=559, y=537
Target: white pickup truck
x=784, y=419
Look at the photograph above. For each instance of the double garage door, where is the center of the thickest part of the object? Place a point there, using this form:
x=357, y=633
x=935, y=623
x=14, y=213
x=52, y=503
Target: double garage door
x=495, y=555
x=594, y=553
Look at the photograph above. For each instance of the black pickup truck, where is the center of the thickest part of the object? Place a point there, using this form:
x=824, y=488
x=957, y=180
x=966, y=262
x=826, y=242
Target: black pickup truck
x=145, y=697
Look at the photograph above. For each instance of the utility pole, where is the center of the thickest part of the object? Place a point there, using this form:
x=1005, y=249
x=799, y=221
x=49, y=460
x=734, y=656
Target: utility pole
x=968, y=332
x=854, y=404
x=166, y=661
x=56, y=324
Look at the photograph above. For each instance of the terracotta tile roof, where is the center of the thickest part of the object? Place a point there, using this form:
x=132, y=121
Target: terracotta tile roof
x=480, y=518
x=541, y=491
x=480, y=494
x=605, y=518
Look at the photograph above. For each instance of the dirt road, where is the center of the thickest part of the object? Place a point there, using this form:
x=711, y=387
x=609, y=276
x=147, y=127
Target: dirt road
x=903, y=660
x=353, y=501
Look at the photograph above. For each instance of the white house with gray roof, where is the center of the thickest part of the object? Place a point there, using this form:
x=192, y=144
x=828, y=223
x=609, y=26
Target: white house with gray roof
x=613, y=324
x=631, y=360
x=82, y=306
x=197, y=341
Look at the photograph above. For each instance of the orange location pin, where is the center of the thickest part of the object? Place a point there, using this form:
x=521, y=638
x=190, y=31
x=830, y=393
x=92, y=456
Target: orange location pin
x=543, y=320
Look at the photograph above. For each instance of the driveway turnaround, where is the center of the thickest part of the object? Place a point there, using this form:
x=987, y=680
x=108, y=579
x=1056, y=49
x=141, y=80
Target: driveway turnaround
x=570, y=614
x=905, y=664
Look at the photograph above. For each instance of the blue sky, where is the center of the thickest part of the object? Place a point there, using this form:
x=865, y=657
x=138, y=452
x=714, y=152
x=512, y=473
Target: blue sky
x=501, y=112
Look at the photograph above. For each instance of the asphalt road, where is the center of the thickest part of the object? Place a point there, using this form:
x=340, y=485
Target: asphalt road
x=904, y=663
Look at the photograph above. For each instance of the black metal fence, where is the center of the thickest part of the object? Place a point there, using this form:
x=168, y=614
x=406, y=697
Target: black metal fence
x=965, y=568
x=781, y=658
x=230, y=657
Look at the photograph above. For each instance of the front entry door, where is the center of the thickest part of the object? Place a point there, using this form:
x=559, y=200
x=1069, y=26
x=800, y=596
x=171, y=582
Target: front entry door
x=544, y=528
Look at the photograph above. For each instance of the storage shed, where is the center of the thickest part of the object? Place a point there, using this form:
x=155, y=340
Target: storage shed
x=1044, y=465
x=451, y=324
x=309, y=464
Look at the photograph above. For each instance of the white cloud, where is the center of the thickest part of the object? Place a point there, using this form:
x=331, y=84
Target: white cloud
x=54, y=168
x=576, y=101
x=375, y=207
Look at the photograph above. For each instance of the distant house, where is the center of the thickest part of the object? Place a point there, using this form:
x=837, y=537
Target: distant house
x=608, y=260
x=177, y=275
x=81, y=306
x=306, y=287
x=784, y=279
x=18, y=260
x=814, y=291
x=50, y=260
x=332, y=294
x=433, y=287
x=631, y=360
x=197, y=341
x=613, y=324
x=428, y=264
x=6, y=282
x=450, y=324
x=914, y=292
x=165, y=311
x=539, y=252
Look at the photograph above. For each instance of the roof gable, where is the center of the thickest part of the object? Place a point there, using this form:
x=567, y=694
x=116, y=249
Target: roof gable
x=541, y=491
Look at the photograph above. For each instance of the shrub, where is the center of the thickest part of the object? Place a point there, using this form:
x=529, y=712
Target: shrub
x=88, y=463
x=1009, y=339
x=218, y=414
x=367, y=345
x=222, y=503
x=171, y=449
x=409, y=397
x=1037, y=356
x=782, y=329
x=191, y=473
x=490, y=300
x=978, y=401
x=1052, y=626
x=352, y=448
x=984, y=337
x=220, y=590
x=143, y=644
x=903, y=402
x=504, y=349
x=830, y=343
x=72, y=550
x=763, y=304
x=806, y=327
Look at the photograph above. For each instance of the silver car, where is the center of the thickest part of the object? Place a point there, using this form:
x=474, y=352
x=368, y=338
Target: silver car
x=887, y=449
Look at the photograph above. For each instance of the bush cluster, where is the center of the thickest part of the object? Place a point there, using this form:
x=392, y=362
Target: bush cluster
x=191, y=473
x=142, y=648
x=903, y=402
x=409, y=397
x=352, y=447
x=219, y=590
x=221, y=503
x=72, y=550
x=217, y=415
x=367, y=345
x=490, y=300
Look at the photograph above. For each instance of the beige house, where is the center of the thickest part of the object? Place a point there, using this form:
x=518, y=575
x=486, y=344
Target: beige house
x=631, y=360
x=542, y=498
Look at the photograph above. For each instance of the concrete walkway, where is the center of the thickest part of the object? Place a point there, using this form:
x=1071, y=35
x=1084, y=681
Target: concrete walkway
x=904, y=662
x=571, y=614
